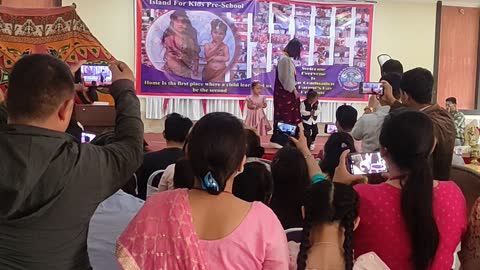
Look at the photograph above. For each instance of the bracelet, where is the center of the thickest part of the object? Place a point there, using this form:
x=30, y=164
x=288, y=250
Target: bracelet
x=318, y=178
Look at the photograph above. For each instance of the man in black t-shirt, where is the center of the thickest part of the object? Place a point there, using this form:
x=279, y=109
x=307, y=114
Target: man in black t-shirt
x=176, y=130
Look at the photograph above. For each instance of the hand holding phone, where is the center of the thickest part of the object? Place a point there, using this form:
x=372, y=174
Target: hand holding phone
x=366, y=163
x=371, y=88
x=121, y=71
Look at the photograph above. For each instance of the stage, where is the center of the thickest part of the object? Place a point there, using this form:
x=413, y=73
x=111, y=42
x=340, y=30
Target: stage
x=157, y=142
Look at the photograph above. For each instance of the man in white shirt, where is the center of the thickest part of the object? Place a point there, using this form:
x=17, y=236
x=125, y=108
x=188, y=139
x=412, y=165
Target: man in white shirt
x=368, y=127
x=310, y=111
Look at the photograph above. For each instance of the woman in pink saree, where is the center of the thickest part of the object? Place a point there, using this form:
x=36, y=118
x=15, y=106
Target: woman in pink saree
x=206, y=227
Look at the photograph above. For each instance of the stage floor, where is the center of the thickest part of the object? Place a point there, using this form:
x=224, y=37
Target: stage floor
x=157, y=142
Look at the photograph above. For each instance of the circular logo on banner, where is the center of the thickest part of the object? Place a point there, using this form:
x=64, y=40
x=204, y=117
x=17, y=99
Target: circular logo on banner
x=350, y=78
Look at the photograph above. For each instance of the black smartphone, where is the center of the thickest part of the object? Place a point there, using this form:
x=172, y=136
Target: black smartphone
x=371, y=88
x=366, y=163
x=330, y=129
x=287, y=129
x=100, y=74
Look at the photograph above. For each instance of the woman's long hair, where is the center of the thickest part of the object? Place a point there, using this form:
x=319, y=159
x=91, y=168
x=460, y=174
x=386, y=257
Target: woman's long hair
x=290, y=180
x=325, y=203
x=408, y=138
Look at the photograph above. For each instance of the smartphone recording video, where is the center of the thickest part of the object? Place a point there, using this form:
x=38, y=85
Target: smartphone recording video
x=366, y=163
x=330, y=129
x=287, y=129
x=100, y=74
x=371, y=88
x=87, y=137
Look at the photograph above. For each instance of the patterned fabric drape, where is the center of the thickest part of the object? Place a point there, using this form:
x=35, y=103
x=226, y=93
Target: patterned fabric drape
x=56, y=31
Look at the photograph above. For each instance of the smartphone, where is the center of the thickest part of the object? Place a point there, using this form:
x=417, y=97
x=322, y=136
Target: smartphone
x=87, y=137
x=330, y=129
x=366, y=163
x=371, y=88
x=287, y=129
x=100, y=74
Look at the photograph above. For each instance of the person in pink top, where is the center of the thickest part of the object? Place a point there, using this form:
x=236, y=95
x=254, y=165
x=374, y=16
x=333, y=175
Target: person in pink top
x=206, y=227
x=256, y=117
x=411, y=221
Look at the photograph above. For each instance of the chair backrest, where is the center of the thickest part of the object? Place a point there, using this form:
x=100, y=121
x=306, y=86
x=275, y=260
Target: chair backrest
x=294, y=234
x=150, y=188
x=469, y=182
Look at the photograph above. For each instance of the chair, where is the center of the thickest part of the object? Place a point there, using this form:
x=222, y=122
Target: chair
x=150, y=188
x=294, y=234
x=469, y=182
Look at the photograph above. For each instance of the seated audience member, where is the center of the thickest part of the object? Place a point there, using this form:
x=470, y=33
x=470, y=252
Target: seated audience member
x=310, y=111
x=346, y=118
x=458, y=119
x=470, y=254
x=331, y=216
x=206, y=225
x=255, y=150
x=290, y=180
x=416, y=90
x=175, y=133
x=51, y=184
x=367, y=129
x=92, y=92
x=333, y=149
x=392, y=66
x=424, y=219
x=255, y=183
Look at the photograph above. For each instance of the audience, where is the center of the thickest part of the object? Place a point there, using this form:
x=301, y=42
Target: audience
x=424, y=219
x=255, y=183
x=367, y=129
x=255, y=150
x=346, y=118
x=458, y=119
x=333, y=149
x=176, y=130
x=183, y=176
x=51, y=184
x=416, y=89
x=206, y=225
x=331, y=216
x=392, y=66
x=290, y=180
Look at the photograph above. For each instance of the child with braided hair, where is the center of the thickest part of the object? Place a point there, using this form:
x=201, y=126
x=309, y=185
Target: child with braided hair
x=331, y=216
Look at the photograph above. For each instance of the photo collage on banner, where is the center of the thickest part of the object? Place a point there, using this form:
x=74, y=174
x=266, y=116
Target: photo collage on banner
x=217, y=48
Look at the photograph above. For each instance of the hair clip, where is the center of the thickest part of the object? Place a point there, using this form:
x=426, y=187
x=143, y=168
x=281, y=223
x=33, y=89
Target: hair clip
x=209, y=183
x=344, y=145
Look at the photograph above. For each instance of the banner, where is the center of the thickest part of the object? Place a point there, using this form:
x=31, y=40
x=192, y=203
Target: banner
x=217, y=48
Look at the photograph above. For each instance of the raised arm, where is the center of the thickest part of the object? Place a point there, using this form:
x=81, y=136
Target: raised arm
x=107, y=168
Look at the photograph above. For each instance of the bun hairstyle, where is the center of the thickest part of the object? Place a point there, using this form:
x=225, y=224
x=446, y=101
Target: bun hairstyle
x=325, y=203
x=218, y=24
x=408, y=138
x=333, y=149
x=215, y=149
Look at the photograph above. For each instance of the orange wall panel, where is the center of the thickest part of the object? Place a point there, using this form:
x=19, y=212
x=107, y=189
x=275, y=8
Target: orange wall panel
x=457, y=65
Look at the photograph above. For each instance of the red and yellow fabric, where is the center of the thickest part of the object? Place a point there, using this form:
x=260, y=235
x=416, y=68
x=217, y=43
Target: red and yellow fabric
x=56, y=31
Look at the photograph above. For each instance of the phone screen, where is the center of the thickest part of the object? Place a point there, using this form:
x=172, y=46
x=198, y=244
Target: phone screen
x=100, y=74
x=287, y=129
x=87, y=137
x=371, y=88
x=366, y=163
x=330, y=129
